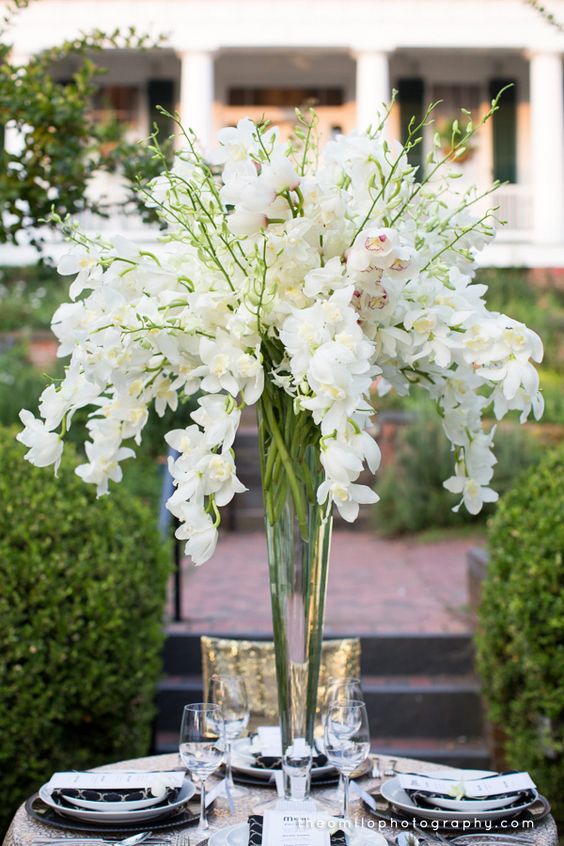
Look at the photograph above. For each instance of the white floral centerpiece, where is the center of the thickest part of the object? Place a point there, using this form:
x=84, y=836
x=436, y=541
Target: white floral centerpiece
x=296, y=279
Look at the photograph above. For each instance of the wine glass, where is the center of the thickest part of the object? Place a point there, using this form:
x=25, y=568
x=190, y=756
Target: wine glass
x=340, y=690
x=200, y=746
x=230, y=693
x=343, y=689
x=347, y=740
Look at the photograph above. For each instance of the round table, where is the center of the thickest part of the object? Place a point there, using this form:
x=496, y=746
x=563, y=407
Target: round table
x=24, y=831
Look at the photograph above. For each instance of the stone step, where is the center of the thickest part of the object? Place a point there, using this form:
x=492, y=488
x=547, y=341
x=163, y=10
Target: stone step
x=400, y=706
x=382, y=654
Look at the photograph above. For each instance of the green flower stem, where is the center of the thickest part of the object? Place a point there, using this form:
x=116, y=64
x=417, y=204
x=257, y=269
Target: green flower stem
x=299, y=503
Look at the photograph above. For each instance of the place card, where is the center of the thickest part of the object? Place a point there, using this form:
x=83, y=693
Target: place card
x=295, y=828
x=115, y=780
x=269, y=741
x=471, y=788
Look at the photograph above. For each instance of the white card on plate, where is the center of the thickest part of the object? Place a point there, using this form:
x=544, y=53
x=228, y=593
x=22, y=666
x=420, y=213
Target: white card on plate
x=269, y=741
x=472, y=788
x=294, y=828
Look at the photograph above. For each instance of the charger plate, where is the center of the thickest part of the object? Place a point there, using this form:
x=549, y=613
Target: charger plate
x=39, y=811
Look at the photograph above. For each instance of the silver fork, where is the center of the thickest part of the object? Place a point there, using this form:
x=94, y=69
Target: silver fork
x=499, y=837
x=133, y=840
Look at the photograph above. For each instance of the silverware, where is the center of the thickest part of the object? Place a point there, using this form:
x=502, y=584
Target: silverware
x=133, y=840
x=491, y=835
x=376, y=771
x=391, y=768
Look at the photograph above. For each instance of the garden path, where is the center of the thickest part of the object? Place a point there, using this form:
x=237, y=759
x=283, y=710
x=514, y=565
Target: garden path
x=375, y=585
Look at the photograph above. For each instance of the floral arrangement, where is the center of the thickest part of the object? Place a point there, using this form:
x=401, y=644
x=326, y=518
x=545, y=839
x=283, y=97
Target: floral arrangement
x=298, y=279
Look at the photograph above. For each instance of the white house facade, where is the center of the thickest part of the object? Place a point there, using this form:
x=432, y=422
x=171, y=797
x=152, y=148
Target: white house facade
x=225, y=59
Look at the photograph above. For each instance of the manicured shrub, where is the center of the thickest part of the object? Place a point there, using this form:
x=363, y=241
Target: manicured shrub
x=521, y=637
x=413, y=497
x=82, y=593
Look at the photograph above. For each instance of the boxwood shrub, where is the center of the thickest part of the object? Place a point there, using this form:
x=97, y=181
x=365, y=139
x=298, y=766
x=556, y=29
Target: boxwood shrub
x=521, y=637
x=82, y=593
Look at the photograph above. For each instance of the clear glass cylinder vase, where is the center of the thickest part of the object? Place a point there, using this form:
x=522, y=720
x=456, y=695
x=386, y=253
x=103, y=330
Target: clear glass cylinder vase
x=298, y=532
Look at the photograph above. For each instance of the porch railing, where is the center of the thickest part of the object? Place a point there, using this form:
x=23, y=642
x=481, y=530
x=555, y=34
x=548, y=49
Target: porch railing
x=516, y=207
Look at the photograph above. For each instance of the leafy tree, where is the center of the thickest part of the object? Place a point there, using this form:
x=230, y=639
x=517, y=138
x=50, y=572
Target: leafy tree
x=62, y=145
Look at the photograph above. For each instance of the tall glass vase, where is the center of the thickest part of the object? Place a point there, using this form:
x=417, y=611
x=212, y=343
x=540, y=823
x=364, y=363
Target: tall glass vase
x=298, y=534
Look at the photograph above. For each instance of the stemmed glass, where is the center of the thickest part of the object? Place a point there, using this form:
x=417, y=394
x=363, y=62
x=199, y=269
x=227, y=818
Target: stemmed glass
x=230, y=693
x=343, y=689
x=340, y=691
x=347, y=740
x=200, y=747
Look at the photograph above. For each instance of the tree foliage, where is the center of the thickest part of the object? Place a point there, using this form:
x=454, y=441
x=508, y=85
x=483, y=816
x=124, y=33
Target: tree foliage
x=60, y=144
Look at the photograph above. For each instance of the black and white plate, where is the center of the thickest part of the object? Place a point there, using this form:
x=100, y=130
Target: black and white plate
x=120, y=815
x=394, y=793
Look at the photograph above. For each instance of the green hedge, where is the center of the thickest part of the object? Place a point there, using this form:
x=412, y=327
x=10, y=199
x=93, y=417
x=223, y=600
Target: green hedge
x=521, y=638
x=81, y=607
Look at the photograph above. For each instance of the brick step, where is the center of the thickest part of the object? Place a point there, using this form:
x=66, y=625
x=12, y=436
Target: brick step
x=382, y=655
x=459, y=752
x=401, y=706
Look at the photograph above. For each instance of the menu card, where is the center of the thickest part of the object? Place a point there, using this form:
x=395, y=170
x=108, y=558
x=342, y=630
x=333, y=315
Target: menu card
x=471, y=788
x=295, y=828
x=116, y=780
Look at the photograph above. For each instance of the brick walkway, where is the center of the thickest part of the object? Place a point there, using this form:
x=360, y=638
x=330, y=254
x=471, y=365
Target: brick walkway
x=374, y=586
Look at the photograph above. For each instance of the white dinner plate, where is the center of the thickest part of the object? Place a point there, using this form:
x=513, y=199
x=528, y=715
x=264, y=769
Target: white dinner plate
x=470, y=805
x=466, y=805
x=242, y=760
x=394, y=793
x=238, y=835
x=133, y=816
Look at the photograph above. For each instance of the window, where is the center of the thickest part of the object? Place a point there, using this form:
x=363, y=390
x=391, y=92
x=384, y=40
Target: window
x=117, y=103
x=285, y=97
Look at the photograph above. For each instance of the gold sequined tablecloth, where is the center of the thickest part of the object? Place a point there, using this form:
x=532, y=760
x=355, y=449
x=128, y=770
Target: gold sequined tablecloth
x=24, y=830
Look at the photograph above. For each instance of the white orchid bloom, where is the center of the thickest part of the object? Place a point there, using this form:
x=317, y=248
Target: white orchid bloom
x=45, y=446
x=219, y=418
x=347, y=497
x=198, y=529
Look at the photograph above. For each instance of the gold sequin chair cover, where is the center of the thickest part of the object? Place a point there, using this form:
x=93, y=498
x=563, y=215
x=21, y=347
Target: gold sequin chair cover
x=254, y=661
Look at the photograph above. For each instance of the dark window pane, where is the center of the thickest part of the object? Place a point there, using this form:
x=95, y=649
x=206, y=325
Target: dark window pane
x=410, y=97
x=505, y=132
x=160, y=92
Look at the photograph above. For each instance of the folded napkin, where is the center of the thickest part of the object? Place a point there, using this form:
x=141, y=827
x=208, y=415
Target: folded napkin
x=115, y=786
x=271, y=762
x=255, y=833
x=497, y=785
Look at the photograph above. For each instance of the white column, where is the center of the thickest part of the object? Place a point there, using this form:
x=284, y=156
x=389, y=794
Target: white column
x=372, y=86
x=196, y=93
x=547, y=146
x=14, y=140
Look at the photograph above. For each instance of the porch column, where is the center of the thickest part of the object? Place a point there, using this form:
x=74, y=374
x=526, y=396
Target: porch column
x=196, y=93
x=14, y=139
x=547, y=146
x=372, y=86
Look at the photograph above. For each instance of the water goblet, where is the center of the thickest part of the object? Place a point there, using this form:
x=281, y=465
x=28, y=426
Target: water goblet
x=347, y=740
x=200, y=747
x=230, y=693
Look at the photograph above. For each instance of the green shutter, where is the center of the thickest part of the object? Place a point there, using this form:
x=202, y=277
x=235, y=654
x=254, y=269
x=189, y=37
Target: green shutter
x=505, y=132
x=410, y=97
x=160, y=92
